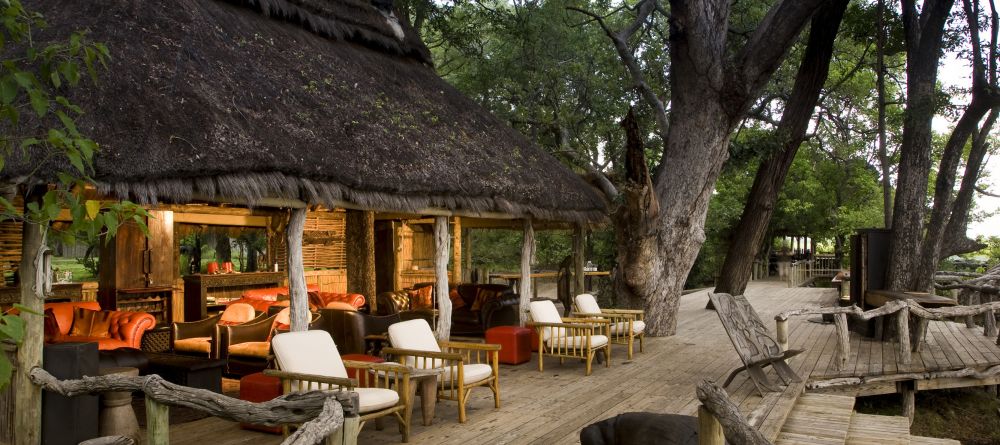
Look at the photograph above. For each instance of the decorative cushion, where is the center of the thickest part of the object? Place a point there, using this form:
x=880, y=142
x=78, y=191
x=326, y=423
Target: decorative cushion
x=200, y=345
x=415, y=334
x=237, y=313
x=586, y=303
x=422, y=297
x=282, y=322
x=308, y=352
x=258, y=349
x=456, y=299
x=89, y=323
x=471, y=373
x=482, y=295
x=374, y=399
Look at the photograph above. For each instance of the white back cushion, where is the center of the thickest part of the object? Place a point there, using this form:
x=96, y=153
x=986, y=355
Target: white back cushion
x=545, y=312
x=238, y=313
x=284, y=317
x=586, y=303
x=308, y=352
x=415, y=334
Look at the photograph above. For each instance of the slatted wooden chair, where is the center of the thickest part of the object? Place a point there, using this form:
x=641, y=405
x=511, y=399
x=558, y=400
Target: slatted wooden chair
x=309, y=360
x=626, y=325
x=753, y=343
x=573, y=338
x=463, y=365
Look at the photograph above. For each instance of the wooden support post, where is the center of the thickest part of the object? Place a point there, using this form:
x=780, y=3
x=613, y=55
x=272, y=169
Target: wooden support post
x=989, y=323
x=782, y=333
x=709, y=428
x=157, y=423
x=908, y=389
x=527, y=258
x=456, y=250
x=579, y=236
x=467, y=255
x=28, y=397
x=903, y=331
x=348, y=433
x=843, y=340
x=970, y=320
x=299, y=300
x=919, y=334
x=359, y=246
x=441, y=249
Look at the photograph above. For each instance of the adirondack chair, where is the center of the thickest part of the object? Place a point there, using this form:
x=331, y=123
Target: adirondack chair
x=753, y=343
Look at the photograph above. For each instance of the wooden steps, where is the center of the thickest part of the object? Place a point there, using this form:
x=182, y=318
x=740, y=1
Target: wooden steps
x=921, y=440
x=818, y=419
x=869, y=429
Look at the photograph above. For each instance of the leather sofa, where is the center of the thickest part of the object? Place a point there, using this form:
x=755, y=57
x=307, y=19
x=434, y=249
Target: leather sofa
x=317, y=299
x=125, y=329
x=498, y=306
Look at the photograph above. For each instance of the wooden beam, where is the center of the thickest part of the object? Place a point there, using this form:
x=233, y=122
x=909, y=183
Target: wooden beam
x=441, y=248
x=359, y=244
x=709, y=428
x=579, y=238
x=28, y=398
x=222, y=220
x=908, y=390
x=527, y=258
x=157, y=423
x=299, y=304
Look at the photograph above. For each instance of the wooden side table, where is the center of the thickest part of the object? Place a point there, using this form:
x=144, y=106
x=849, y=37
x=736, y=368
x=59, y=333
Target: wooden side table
x=427, y=380
x=117, y=417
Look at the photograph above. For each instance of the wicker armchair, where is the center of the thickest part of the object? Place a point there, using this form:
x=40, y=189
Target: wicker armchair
x=625, y=326
x=574, y=338
x=464, y=365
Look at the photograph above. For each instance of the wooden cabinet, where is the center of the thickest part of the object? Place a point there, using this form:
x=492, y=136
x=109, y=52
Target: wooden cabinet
x=136, y=271
x=206, y=294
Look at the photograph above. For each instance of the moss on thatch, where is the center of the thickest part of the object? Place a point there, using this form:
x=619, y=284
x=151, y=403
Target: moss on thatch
x=299, y=99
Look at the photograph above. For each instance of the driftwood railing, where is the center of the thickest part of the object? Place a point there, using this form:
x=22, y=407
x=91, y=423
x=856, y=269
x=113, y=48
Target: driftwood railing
x=325, y=416
x=720, y=420
x=802, y=272
x=903, y=309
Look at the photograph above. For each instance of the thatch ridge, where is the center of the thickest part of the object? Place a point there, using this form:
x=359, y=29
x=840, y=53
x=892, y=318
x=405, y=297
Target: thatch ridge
x=210, y=99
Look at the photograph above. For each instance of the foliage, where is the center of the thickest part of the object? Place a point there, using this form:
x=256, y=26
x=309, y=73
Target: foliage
x=36, y=115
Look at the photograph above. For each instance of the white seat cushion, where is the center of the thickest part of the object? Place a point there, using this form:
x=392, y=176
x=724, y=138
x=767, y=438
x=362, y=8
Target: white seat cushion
x=308, y=352
x=587, y=304
x=415, y=334
x=374, y=399
x=471, y=373
x=578, y=342
x=638, y=327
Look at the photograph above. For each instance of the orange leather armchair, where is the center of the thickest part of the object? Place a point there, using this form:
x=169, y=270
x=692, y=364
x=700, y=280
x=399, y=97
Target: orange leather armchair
x=125, y=331
x=319, y=300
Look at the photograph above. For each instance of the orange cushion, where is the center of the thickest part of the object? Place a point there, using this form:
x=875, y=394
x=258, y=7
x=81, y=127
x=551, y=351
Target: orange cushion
x=422, y=298
x=456, y=299
x=88, y=323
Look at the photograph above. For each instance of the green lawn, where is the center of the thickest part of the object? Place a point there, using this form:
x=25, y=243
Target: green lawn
x=80, y=273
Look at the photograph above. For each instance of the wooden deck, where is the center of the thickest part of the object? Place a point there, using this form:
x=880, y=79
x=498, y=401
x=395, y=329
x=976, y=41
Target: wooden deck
x=552, y=407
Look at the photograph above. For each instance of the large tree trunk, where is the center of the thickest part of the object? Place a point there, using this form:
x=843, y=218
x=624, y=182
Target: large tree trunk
x=749, y=233
x=924, y=33
x=883, y=149
x=298, y=298
x=360, y=249
x=442, y=247
x=28, y=415
x=956, y=242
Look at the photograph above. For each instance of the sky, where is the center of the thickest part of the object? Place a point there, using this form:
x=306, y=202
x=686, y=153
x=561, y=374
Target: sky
x=955, y=72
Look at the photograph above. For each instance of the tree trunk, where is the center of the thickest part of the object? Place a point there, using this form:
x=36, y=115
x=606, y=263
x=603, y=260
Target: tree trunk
x=956, y=242
x=442, y=246
x=924, y=31
x=223, y=250
x=883, y=149
x=752, y=227
x=360, y=249
x=299, y=300
x=527, y=259
x=28, y=415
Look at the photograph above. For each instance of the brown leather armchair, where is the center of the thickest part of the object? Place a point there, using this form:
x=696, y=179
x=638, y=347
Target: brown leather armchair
x=125, y=330
x=202, y=337
x=247, y=347
x=356, y=332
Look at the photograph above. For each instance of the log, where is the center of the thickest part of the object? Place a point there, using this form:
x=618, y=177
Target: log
x=989, y=323
x=843, y=340
x=709, y=428
x=903, y=331
x=781, y=331
x=909, y=393
x=579, y=237
x=28, y=397
x=441, y=252
x=359, y=246
x=970, y=373
x=299, y=300
x=734, y=425
x=320, y=412
x=157, y=423
x=527, y=258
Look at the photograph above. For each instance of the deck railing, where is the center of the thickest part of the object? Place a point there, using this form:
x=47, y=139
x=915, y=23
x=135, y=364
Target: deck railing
x=802, y=272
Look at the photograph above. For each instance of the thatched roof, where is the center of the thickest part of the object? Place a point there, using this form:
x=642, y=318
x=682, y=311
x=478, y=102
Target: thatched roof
x=324, y=101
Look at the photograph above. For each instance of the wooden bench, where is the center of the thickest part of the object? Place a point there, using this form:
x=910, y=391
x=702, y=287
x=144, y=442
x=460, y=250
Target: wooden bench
x=753, y=343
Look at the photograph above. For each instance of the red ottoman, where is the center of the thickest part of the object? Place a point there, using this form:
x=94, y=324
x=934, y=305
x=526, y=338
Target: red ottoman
x=353, y=373
x=258, y=388
x=514, y=341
